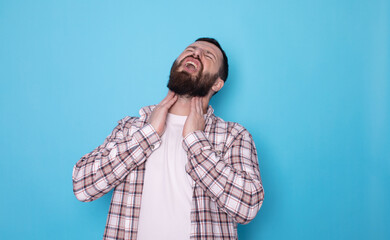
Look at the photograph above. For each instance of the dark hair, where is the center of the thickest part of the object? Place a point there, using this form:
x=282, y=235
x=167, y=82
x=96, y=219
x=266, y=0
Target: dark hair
x=224, y=69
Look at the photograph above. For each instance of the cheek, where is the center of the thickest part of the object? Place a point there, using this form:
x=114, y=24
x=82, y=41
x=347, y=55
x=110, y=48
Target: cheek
x=181, y=58
x=211, y=68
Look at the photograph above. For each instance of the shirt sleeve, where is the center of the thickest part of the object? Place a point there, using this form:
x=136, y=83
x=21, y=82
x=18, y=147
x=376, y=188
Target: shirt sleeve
x=97, y=172
x=232, y=180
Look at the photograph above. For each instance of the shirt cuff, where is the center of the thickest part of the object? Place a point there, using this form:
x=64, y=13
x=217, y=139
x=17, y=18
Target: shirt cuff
x=196, y=141
x=147, y=137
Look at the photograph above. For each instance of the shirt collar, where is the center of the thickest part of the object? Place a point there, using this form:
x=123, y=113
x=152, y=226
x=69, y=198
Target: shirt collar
x=145, y=112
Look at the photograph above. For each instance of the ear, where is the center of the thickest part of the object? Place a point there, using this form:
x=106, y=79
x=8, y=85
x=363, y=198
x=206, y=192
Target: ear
x=218, y=85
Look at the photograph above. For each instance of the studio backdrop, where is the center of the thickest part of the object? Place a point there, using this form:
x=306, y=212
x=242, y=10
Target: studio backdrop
x=308, y=78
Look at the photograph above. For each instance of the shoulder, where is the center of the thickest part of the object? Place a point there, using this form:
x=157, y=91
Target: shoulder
x=232, y=129
x=129, y=122
x=229, y=136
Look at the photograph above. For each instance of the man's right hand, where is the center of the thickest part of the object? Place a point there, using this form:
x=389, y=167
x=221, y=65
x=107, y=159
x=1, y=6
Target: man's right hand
x=159, y=114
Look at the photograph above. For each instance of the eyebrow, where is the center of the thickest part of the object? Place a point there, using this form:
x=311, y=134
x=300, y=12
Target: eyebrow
x=207, y=52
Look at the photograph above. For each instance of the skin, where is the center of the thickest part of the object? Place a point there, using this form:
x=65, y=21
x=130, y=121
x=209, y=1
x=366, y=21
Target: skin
x=193, y=107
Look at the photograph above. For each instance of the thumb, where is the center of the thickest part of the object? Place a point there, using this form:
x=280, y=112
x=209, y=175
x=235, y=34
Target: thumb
x=171, y=101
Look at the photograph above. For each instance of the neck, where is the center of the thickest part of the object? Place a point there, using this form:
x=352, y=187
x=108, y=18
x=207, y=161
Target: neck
x=182, y=106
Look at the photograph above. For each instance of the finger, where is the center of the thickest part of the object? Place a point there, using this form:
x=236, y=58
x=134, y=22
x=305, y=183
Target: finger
x=198, y=107
x=169, y=96
x=193, y=105
x=201, y=105
x=171, y=102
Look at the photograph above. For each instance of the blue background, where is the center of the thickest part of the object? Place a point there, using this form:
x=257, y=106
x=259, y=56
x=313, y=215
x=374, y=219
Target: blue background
x=309, y=79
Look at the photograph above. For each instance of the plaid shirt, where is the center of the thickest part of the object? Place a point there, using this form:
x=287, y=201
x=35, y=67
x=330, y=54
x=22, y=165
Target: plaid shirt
x=222, y=160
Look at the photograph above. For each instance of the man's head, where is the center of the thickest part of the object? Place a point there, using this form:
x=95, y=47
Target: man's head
x=202, y=68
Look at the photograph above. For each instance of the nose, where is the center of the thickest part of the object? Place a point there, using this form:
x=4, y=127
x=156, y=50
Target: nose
x=197, y=52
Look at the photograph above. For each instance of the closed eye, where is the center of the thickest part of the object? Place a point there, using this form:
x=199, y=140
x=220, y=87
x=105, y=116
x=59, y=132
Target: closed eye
x=210, y=55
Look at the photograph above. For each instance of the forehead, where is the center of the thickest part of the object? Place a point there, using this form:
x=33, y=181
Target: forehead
x=208, y=47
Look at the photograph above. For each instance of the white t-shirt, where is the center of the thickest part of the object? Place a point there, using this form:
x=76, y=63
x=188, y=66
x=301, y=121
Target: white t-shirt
x=167, y=192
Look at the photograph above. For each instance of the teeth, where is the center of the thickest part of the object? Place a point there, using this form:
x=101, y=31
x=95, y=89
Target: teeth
x=192, y=63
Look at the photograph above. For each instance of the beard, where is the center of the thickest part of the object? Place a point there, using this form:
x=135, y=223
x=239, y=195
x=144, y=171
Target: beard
x=185, y=84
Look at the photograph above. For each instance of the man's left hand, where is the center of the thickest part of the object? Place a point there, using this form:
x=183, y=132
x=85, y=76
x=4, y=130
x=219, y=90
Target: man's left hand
x=195, y=120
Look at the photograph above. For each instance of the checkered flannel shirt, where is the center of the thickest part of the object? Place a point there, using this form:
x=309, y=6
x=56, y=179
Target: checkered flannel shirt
x=222, y=160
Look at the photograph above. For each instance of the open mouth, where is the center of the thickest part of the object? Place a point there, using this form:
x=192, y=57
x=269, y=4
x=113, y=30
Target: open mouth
x=191, y=64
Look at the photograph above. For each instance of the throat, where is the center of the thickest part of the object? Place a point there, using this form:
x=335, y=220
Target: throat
x=181, y=107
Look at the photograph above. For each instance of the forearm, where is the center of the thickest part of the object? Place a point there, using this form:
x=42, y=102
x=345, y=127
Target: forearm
x=98, y=172
x=234, y=182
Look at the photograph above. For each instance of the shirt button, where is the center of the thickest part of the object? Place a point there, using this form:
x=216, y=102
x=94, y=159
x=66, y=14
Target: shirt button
x=152, y=147
x=218, y=152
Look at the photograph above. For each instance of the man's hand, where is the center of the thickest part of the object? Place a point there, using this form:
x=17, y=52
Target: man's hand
x=195, y=120
x=159, y=114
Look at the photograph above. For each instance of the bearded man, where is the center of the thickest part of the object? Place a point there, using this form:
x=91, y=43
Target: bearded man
x=178, y=171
